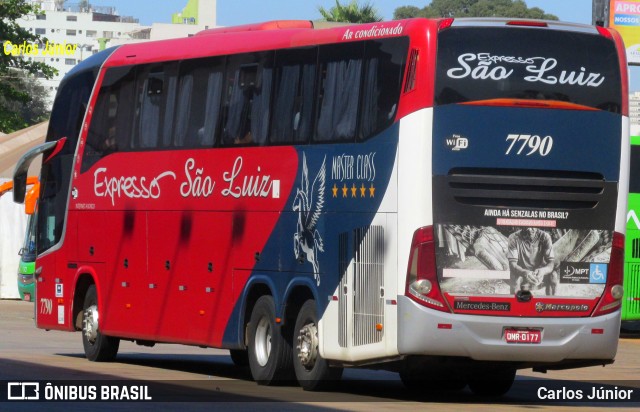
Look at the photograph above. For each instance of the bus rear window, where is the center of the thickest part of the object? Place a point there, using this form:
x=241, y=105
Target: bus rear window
x=476, y=64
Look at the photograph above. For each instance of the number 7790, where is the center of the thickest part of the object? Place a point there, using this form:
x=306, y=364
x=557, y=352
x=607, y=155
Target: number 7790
x=529, y=144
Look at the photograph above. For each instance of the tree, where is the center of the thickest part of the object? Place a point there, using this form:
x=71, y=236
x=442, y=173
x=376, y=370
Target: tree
x=351, y=13
x=474, y=8
x=449, y=8
x=12, y=91
x=17, y=114
x=406, y=12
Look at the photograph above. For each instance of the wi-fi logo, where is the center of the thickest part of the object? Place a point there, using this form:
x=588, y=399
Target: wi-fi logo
x=457, y=142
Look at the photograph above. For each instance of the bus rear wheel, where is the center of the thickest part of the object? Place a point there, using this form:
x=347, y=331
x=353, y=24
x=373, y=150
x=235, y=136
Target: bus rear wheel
x=312, y=371
x=269, y=347
x=97, y=347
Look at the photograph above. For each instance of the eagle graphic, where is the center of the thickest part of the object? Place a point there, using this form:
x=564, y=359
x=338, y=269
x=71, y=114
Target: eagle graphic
x=307, y=242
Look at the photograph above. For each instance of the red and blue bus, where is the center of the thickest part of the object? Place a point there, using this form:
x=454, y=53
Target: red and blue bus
x=446, y=198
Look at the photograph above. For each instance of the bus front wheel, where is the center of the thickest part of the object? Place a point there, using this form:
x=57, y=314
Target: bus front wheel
x=269, y=347
x=97, y=347
x=312, y=371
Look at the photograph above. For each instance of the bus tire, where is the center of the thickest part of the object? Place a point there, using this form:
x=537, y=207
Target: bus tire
x=312, y=371
x=493, y=383
x=97, y=347
x=239, y=357
x=269, y=349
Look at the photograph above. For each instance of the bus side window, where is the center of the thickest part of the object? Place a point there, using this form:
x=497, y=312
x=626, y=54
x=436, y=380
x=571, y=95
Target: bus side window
x=384, y=66
x=110, y=128
x=156, y=88
x=198, y=102
x=151, y=91
x=295, y=74
x=248, y=99
x=339, y=91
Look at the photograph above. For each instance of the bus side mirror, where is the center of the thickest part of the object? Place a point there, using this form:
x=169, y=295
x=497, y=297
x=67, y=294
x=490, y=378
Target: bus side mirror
x=20, y=172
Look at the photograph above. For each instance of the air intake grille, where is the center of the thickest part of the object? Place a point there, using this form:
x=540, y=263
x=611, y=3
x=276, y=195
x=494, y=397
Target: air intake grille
x=368, y=285
x=343, y=291
x=526, y=188
x=635, y=248
x=631, y=299
x=411, y=71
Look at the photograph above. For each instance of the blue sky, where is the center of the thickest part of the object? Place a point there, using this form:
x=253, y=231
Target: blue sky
x=232, y=12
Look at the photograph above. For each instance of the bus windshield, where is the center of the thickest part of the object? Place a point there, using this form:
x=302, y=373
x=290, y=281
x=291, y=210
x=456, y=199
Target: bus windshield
x=67, y=114
x=478, y=63
x=28, y=250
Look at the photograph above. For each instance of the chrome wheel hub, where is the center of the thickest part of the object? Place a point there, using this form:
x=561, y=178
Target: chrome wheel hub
x=263, y=341
x=308, y=345
x=90, y=323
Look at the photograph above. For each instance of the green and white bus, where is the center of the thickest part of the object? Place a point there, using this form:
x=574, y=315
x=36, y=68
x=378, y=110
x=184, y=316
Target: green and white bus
x=631, y=299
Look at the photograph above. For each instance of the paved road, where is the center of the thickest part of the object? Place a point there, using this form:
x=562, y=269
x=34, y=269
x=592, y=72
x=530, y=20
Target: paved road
x=27, y=354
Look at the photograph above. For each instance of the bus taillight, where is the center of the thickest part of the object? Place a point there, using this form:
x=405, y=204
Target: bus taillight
x=445, y=24
x=622, y=62
x=604, y=32
x=611, y=300
x=527, y=23
x=422, y=280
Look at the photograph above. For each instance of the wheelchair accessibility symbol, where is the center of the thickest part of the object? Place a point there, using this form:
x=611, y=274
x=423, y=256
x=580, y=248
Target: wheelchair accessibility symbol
x=598, y=273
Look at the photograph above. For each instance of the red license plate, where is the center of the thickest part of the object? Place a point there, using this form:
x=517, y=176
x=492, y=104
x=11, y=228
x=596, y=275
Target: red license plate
x=523, y=335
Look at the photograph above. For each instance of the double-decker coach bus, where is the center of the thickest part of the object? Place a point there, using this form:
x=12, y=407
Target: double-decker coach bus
x=445, y=197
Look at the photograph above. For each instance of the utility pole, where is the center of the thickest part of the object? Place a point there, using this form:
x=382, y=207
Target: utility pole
x=600, y=13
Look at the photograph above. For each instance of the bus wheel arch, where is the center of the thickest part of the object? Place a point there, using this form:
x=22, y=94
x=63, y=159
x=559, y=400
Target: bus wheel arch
x=295, y=297
x=256, y=291
x=97, y=347
x=83, y=283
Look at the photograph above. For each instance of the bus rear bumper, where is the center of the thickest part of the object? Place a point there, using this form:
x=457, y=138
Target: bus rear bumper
x=423, y=331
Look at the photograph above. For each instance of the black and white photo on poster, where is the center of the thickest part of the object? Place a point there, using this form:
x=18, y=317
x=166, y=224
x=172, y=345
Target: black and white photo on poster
x=487, y=260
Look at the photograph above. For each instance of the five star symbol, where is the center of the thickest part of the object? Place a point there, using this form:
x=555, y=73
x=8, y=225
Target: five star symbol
x=354, y=190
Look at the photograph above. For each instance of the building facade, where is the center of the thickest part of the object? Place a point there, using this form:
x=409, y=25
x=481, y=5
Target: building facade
x=74, y=32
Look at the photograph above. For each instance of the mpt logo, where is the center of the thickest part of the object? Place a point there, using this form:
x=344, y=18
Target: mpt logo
x=574, y=272
x=570, y=271
x=457, y=142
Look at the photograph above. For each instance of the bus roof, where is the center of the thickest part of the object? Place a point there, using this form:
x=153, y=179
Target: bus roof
x=261, y=37
x=501, y=22
x=268, y=25
x=280, y=34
